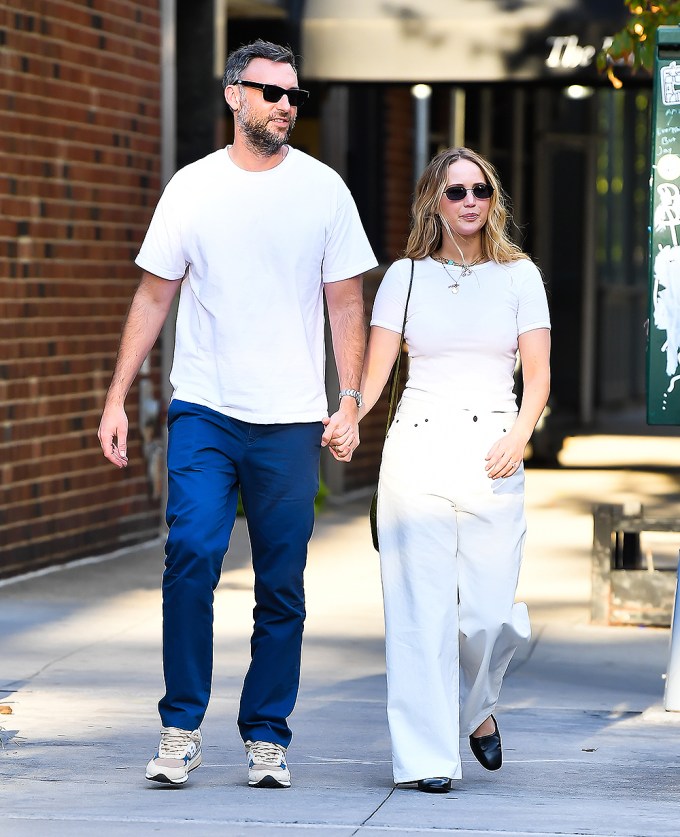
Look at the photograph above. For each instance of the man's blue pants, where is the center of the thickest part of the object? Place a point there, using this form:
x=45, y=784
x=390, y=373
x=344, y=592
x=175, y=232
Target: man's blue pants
x=276, y=467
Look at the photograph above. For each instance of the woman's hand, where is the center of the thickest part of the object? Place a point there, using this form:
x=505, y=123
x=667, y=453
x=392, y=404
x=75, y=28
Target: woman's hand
x=506, y=455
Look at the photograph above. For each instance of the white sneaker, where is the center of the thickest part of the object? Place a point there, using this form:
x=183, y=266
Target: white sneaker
x=267, y=766
x=178, y=753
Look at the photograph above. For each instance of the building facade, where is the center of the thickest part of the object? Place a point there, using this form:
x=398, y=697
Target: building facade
x=102, y=101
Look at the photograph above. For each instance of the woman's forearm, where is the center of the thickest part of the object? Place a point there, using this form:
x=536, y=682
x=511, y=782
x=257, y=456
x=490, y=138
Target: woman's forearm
x=534, y=347
x=381, y=353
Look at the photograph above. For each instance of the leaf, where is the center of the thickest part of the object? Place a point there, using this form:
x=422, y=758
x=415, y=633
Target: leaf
x=622, y=44
x=646, y=52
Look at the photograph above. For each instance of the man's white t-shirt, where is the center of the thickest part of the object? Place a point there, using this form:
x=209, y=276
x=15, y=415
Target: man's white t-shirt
x=256, y=248
x=463, y=346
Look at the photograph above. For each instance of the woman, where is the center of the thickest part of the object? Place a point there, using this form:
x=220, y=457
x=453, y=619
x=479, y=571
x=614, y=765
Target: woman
x=451, y=492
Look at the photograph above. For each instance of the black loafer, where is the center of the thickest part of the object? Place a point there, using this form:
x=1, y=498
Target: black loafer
x=436, y=784
x=487, y=749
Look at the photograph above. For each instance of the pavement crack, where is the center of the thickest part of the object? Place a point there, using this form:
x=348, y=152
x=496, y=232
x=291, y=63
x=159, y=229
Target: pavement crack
x=373, y=813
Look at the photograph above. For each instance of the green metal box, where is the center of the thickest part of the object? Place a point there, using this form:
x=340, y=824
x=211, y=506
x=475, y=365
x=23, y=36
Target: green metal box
x=663, y=344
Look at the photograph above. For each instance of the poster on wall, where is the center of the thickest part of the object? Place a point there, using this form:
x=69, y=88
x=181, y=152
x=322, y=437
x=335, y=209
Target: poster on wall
x=663, y=345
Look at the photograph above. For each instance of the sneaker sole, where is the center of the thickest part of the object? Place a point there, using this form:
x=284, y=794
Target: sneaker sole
x=269, y=782
x=165, y=780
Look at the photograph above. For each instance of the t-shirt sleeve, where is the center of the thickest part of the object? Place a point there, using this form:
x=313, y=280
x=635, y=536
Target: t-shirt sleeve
x=532, y=306
x=390, y=300
x=161, y=252
x=348, y=252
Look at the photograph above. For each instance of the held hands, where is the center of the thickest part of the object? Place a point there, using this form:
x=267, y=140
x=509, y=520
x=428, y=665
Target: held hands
x=505, y=456
x=342, y=433
x=114, y=426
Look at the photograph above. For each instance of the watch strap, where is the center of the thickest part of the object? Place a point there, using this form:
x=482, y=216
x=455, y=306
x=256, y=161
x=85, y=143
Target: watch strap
x=351, y=393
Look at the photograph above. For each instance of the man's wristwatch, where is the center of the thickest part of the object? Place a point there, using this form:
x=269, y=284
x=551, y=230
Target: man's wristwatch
x=353, y=393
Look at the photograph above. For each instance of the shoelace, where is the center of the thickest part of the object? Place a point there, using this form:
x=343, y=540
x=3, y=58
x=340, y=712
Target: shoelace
x=174, y=744
x=266, y=753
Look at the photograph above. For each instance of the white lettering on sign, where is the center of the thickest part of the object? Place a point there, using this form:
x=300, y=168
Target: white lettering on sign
x=670, y=113
x=664, y=140
x=566, y=53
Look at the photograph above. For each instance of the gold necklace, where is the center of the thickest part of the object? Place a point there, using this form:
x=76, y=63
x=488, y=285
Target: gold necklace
x=466, y=269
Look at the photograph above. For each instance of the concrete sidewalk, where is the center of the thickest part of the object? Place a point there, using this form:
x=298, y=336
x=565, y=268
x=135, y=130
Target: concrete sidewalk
x=588, y=747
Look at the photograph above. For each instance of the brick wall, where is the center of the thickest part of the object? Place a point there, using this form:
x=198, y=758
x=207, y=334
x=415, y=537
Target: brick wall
x=398, y=175
x=80, y=151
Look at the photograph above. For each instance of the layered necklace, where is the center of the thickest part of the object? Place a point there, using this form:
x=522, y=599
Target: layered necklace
x=465, y=271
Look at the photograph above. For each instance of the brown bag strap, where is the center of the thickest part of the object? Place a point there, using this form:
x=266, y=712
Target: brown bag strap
x=394, y=385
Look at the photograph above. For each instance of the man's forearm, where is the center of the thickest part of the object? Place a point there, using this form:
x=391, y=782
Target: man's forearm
x=148, y=311
x=346, y=314
x=348, y=330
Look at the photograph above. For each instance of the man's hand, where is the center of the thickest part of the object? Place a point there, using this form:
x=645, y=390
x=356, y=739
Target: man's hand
x=113, y=431
x=342, y=433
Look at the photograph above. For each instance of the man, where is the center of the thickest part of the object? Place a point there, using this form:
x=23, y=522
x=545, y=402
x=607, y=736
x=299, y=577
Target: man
x=252, y=233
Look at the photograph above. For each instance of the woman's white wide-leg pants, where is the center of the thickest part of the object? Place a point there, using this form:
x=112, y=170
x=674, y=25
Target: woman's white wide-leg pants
x=450, y=551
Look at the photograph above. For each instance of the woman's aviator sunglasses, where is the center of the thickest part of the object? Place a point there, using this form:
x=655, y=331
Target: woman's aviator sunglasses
x=273, y=93
x=482, y=191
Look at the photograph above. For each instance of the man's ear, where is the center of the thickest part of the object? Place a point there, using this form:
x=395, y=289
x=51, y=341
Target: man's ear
x=231, y=97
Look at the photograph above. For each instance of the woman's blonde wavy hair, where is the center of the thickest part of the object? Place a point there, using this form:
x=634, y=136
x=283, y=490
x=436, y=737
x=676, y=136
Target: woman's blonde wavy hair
x=427, y=224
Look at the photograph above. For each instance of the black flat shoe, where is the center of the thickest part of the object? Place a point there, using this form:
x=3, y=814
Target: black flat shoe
x=437, y=784
x=487, y=749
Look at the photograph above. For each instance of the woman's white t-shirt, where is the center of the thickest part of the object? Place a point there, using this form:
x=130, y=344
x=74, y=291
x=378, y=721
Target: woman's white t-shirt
x=256, y=248
x=463, y=346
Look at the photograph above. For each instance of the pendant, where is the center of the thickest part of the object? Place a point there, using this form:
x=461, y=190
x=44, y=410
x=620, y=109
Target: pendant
x=467, y=270
x=454, y=288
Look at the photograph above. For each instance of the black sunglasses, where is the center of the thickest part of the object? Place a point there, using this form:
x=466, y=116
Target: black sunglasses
x=273, y=93
x=482, y=191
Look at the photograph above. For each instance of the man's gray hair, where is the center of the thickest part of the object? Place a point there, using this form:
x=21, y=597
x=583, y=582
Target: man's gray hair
x=241, y=57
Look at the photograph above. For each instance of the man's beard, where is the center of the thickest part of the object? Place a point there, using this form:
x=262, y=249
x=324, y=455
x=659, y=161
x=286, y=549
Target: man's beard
x=259, y=137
